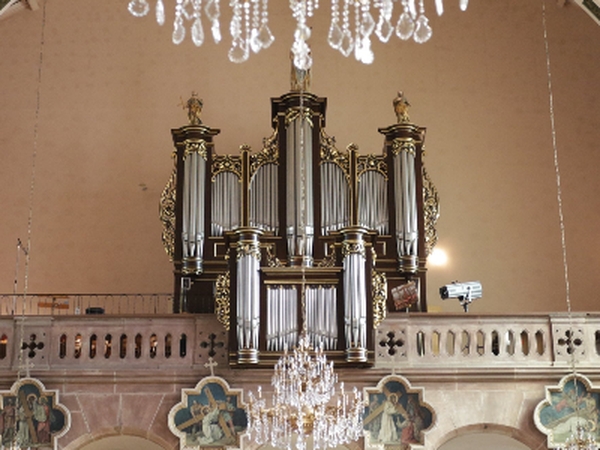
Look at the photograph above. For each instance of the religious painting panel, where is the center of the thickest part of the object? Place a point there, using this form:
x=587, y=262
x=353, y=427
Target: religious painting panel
x=404, y=295
x=31, y=416
x=569, y=408
x=212, y=415
x=396, y=416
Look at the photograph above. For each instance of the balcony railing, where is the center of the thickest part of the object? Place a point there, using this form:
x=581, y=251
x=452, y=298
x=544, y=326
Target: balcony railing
x=75, y=304
x=431, y=344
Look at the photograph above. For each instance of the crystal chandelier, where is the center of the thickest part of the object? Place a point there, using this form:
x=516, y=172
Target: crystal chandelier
x=250, y=33
x=580, y=440
x=305, y=404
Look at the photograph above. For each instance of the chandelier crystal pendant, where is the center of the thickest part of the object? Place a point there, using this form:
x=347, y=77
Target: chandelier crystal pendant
x=250, y=32
x=305, y=405
x=580, y=440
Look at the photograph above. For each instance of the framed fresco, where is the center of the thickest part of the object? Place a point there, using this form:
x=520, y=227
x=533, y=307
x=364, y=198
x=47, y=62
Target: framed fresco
x=211, y=415
x=31, y=416
x=571, y=404
x=396, y=416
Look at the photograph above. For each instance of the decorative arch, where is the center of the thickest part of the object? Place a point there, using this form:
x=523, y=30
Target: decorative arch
x=506, y=437
x=110, y=438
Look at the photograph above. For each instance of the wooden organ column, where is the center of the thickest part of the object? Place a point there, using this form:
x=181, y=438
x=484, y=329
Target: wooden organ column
x=193, y=158
x=403, y=149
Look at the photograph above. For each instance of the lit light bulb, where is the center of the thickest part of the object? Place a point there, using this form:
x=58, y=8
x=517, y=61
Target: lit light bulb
x=438, y=257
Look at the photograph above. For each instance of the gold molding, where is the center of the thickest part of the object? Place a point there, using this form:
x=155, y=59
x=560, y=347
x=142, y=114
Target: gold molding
x=222, y=299
x=404, y=145
x=431, y=212
x=329, y=260
x=272, y=260
x=374, y=163
x=195, y=146
x=248, y=249
x=268, y=155
x=226, y=163
x=351, y=248
x=292, y=114
x=330, y=154
x=379, y=294
x=166, y=213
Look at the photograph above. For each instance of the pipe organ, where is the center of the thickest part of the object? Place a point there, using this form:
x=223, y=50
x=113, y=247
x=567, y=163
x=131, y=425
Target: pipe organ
x=300, y=237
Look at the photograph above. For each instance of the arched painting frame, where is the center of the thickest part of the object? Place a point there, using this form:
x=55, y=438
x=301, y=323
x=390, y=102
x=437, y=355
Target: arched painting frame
x=211, y=415
x=396, y=417
x=574, y=401
x=32, y=416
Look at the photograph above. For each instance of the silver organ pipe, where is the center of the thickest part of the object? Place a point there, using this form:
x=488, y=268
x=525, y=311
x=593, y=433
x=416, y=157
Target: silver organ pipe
x=335, y=198
x=321, y=316
x=282, y=314
x=225, y=208
x=299, y=178
x=373, y=202
x=248, y=295
x=355, y=291
x=264, y=199
x=406, y=201
x=193, y=204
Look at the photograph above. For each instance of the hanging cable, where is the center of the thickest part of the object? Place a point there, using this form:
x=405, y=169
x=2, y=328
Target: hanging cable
x=27, y=249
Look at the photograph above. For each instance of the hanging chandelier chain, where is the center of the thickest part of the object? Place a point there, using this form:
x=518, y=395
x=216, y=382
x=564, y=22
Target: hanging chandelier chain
x=556, y=165
x=27, y=248
x=304, y=237
x=579, y=439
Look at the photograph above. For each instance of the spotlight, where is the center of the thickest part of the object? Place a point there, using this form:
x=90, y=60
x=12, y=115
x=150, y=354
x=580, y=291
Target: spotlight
x=465, y=292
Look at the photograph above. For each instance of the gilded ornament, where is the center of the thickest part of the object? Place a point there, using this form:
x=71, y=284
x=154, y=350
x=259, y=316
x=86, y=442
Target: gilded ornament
x=268, y=155
x=401, y=106
x=248, y=249
x=293, y=113
x=195, y=146
x=431, y=212
x=272, y=260
x=166, y=212
x=329, y=260
x=222, y=299
x=351, y=248
x=403, y=145
x=330, y=154
x=226, y=163
x=379, y=294
x=372, y=163
x=194, y=108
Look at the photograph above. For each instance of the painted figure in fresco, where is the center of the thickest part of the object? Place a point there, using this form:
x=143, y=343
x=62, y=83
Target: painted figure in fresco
x=228, y=409
x=570, y=408
x=389, y=430
x=23, y=436
x=210, y=427
x=373, y=420
x=9, y=419
x=41, y=414
x=196, y=412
